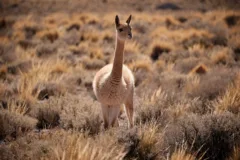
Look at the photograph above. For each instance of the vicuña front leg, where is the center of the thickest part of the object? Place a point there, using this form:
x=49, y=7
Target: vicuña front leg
x=105, y=113
x=113, y=115
x=110, y=115
x=129, y=110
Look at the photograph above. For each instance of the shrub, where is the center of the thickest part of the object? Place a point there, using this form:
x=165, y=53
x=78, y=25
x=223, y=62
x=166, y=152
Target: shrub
x=13, y=124
x=203, y=134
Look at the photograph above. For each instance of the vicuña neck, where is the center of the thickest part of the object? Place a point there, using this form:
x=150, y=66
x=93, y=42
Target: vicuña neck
x=116, y=73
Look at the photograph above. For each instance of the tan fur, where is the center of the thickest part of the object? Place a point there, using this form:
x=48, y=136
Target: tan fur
x=113, y=85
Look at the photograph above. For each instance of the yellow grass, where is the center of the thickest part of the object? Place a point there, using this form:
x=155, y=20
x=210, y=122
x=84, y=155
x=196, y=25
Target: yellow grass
x=140, y=65
x=236, y=154
x=182, y=155
x=230, y=101
x=79, y=147
x=221, y=56
x=17, y=107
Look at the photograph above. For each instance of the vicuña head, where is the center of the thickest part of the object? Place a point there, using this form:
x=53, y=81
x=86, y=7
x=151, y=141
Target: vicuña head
x=113, y=85
x=124, y=31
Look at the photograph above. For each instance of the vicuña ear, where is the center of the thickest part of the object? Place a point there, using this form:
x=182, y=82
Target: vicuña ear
x=129, y=19
x=117, y=21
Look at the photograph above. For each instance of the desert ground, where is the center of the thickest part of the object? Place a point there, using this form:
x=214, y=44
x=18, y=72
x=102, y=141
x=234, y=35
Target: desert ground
x=185, y=57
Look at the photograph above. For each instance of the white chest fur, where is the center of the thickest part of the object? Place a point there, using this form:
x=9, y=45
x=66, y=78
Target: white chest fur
x=111, y=93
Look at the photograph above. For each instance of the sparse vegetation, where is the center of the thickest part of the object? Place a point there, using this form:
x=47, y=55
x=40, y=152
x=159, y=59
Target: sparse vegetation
x=185, y=57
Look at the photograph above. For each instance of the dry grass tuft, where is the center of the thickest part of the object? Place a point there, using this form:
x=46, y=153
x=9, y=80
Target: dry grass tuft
x=78, y=146
x=182, y=155
x=230, y=101
x=142, y=142
x=236, y=154
x=17, y=107
x=222, y=56
x=160, y=48
x=51, y=35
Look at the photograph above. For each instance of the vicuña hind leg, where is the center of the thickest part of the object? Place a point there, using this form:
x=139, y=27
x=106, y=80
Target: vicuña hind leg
x=129, y=110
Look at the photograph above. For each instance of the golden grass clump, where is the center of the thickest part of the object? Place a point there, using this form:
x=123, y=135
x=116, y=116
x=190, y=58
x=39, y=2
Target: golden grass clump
x=50, y=35
x=221, y=56
x=17, y=107
x=132, y=48
x=192, y=83
x=230, y=100
x=180, y=35
x=80, y=147
x=236, y=154
x=198, y=49
x=182, y=155
x=140, y=65
x=43, y=72
x=149, y=138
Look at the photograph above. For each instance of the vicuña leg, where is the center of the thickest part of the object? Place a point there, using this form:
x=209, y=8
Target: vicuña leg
x=129, y=109
x=113, y=115
x=105, y=113
x=110, y=115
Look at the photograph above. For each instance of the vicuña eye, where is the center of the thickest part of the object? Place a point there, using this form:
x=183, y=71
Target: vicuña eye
x=120, y=29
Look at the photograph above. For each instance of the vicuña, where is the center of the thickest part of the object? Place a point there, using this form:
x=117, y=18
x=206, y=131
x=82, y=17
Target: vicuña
x=113, y=85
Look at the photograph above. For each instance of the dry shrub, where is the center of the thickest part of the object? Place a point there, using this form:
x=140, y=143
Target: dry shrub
x=32, y=145
x=47, y=90
x=213, y=83
x=220, y=35
x=48, y=116
x=141, y=143
x=30, y=31
x=235, y=154
x=222, y=56
x=132, y=48
x=141, y=70
x=73, y=26
x=186, y=65
x=197, y=50
x=45, y=50
x=19, y=67
x=230, y=100
x=48, y=35
x=159, y=48
x=172, y=23
x=77, y=51
x=232, y=20
x=93, y=64
x=72, y=37
x=7, y=53
x=27, y=44
x=13, y=124
x=203, y=133
x=140, y=65
x=75, y=112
